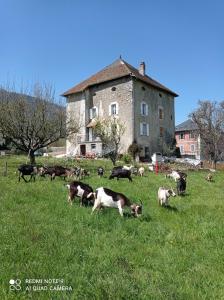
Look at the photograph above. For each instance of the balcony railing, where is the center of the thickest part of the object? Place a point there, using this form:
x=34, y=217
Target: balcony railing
x=86, y=139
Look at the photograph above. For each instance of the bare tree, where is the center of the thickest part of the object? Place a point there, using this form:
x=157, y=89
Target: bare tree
x=209, y=118
x=33, y=121
x=110, y=131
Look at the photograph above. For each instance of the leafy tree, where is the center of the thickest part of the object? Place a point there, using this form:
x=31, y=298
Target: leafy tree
x=169, y=146
x=110, y=131
x=134, y=149
x=34, y=121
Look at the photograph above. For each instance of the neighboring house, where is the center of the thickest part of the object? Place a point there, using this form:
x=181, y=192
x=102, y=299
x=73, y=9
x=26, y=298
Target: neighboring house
x=188, y=140
x=122, y=91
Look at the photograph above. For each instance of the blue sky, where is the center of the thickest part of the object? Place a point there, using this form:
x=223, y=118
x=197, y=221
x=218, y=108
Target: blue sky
x=62, y=42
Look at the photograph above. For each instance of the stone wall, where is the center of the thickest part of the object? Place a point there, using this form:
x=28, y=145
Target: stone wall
x=128, y=93
x=155, y=99
x=119, y=91
x=76, y=109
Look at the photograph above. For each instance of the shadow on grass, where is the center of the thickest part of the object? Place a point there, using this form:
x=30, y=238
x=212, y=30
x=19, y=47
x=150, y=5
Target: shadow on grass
x=171, y=208
x=184, y=195
x=143, y=218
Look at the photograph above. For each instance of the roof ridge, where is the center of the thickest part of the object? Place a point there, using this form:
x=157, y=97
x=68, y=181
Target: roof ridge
x=117, y=69
x=189, y=124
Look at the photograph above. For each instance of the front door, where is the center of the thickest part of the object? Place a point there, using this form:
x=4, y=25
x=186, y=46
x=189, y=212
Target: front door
x=147, y=152
x=83, y=150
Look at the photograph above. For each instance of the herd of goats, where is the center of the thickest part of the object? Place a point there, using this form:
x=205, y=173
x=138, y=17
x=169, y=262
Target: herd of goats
x=104, y=197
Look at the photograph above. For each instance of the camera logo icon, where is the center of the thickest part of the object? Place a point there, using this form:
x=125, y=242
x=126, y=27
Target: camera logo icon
x=15, y=284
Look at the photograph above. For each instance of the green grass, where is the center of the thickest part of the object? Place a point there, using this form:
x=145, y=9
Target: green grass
x=165, y=254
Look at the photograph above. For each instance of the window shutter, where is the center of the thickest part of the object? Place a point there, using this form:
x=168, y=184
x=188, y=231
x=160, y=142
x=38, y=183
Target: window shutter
x=147, y=129
x=147, y=109
x=90, y=113
x=141, y=108
x=141, y=129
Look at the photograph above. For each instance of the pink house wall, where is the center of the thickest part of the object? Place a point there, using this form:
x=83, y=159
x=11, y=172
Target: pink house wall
x=188, y=145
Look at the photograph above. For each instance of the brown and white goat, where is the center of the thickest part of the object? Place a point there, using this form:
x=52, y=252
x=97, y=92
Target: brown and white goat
x=82, y=191
x=107, y=198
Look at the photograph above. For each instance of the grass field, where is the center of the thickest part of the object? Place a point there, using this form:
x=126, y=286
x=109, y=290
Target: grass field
x=166, y=254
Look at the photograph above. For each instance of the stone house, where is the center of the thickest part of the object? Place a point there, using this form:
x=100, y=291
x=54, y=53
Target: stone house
x=188, y=140
x=122, y=91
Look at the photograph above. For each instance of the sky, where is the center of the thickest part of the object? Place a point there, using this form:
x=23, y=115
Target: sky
x=62, y=42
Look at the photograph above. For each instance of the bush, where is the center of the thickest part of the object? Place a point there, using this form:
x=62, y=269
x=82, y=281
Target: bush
x=134, y=149
x=127, y=158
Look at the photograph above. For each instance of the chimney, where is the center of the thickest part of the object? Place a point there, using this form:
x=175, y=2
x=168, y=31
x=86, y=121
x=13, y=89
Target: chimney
x=141, y=68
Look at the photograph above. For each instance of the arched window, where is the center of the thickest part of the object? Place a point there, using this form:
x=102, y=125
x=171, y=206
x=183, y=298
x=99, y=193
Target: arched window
x=161, y=113
x=93, y=112
x=144, y=129
x=113, y=109
x=144, y=109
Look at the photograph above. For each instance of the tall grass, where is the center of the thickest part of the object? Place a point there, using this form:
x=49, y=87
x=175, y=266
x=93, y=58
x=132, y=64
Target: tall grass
x=166, y=254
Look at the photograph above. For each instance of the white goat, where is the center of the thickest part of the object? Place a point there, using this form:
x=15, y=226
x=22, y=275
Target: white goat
x=141, y=171
x=163, y=196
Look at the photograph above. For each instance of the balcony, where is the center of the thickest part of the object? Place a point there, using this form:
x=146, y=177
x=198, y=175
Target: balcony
x=82, y=138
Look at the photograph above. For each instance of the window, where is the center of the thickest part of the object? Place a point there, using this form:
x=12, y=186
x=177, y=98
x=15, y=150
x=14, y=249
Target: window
x=93, y=112
x=113, y=109
x=143, y=88
x=144, y=109
x=161, y=131
x=192, y=148
x=160, y=95
x=144, y=129
x=160, y=113
x=93, y=147
x=146, y=152
x=181, y=149
x=181, y=136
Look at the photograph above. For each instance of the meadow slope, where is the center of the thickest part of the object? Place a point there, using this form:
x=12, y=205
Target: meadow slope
x=166, y=254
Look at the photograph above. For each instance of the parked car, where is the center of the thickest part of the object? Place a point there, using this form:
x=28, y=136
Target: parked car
x=38, y=153
x=157, y=156
x=170, y=159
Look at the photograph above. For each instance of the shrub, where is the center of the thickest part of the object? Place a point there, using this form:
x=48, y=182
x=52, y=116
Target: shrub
x=127, y=158
x=134, y=149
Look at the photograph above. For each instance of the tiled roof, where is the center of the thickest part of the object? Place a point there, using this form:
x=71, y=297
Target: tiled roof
x=186, y=126
x=116, y=70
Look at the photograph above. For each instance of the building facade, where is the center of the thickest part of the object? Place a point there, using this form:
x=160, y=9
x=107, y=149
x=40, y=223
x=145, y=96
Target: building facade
x=122, y=91
x=188, y=140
